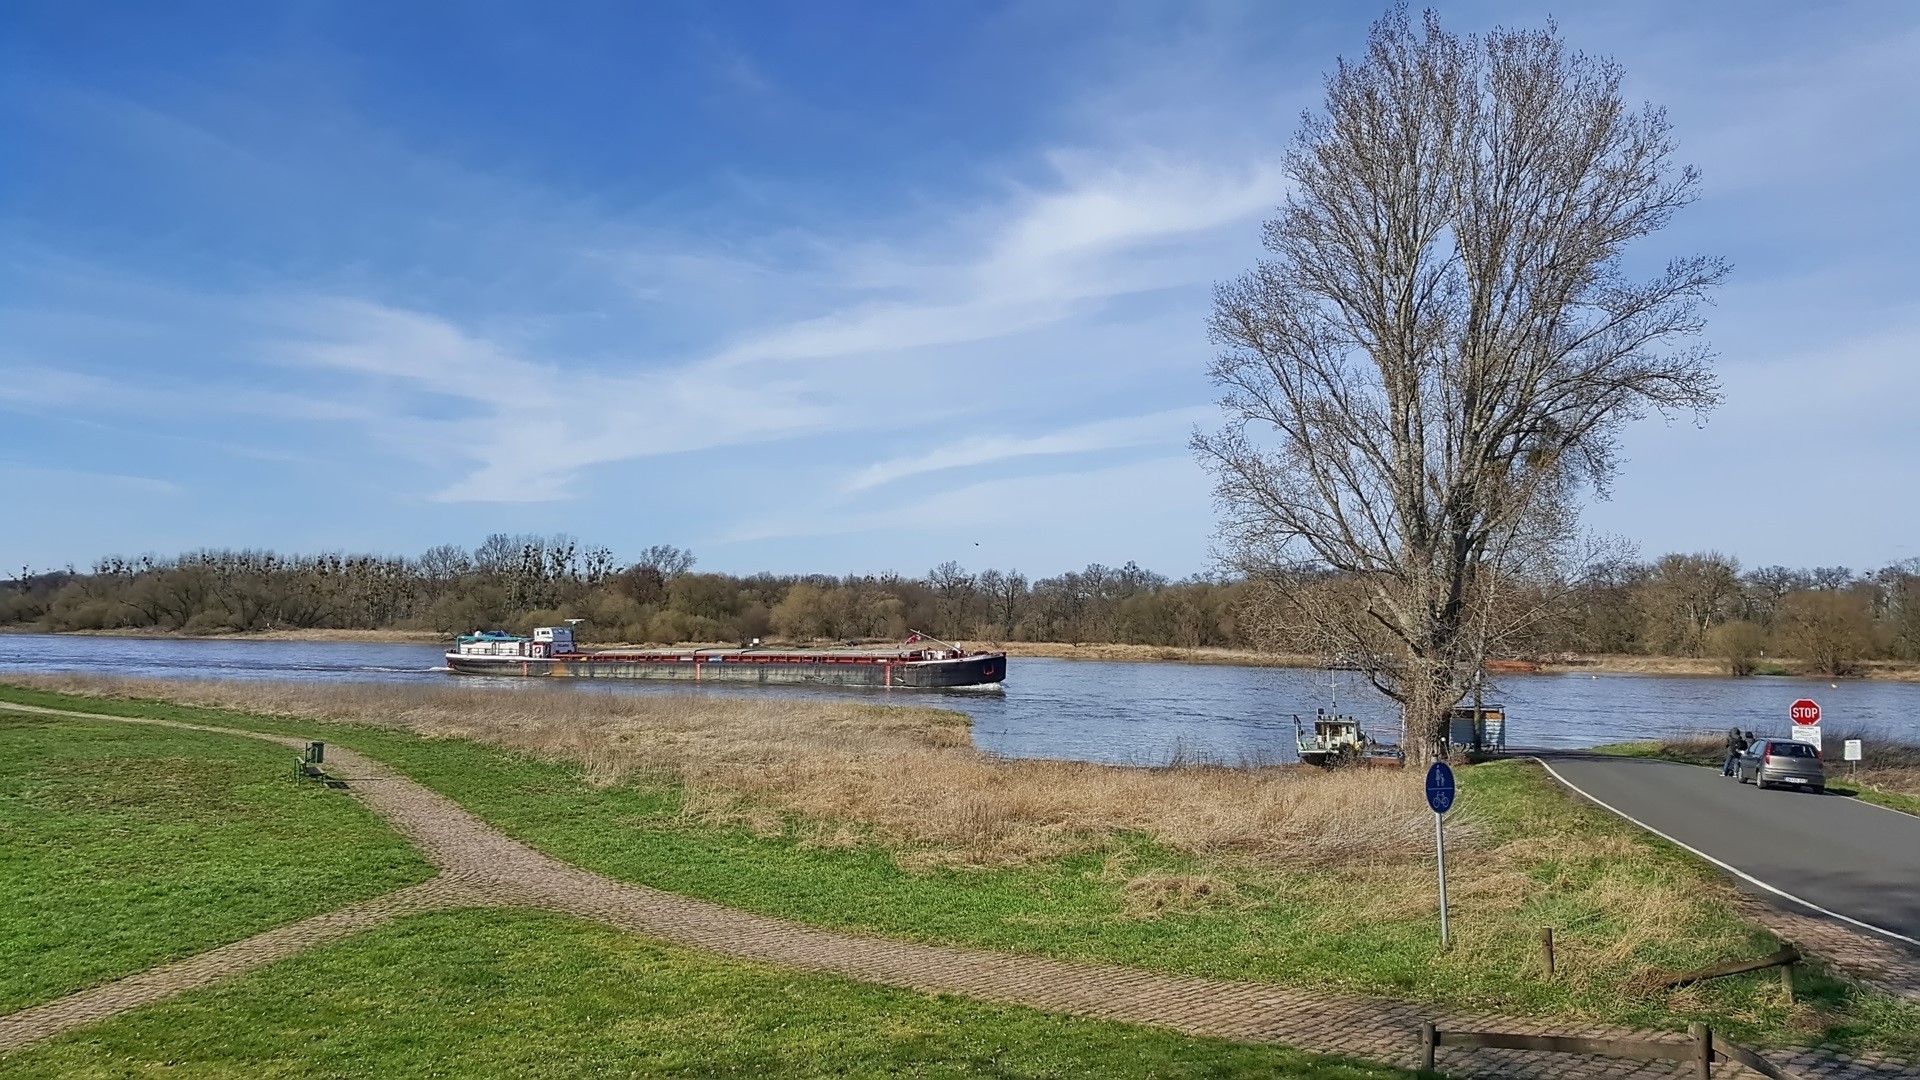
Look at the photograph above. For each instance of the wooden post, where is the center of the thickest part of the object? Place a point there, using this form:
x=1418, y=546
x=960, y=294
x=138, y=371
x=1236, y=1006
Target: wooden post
x=1428, y=1038
x=1546, y=948
x=1786, y=981
x=1702, y=1051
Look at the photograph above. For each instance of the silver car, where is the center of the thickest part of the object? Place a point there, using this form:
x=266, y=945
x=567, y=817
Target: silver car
x=1782, y=763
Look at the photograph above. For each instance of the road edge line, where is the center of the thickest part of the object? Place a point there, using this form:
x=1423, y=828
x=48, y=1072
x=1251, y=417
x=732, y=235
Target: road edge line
x=1734, y=870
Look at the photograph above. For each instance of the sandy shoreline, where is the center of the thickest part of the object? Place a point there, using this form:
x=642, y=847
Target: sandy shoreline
x=1599, y=664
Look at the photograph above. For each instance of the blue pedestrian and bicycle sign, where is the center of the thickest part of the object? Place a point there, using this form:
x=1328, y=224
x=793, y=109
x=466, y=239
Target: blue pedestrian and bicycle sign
x=1440, y=797
x=1440, y=787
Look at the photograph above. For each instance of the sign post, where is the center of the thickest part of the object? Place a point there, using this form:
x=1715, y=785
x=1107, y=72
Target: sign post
x=1805, y=714
x=1851, y=750
x=1440, y=797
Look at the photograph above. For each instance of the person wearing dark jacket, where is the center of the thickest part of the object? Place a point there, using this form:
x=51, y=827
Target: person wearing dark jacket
x=1736, y=745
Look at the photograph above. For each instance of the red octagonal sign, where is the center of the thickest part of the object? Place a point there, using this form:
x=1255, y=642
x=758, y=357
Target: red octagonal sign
x=1805, y=711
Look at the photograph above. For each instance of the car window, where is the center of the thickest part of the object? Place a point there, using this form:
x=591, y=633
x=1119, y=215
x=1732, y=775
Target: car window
x=1792, y=749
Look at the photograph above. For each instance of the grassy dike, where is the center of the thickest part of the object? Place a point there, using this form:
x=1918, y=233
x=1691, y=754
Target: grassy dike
x=1622, y=904
x=124, y=847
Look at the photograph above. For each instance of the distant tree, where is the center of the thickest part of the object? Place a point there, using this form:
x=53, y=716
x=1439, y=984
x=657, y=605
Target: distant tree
x=1764, y=588
x=1831, y=631
x=1831, y=577
x=1443, y=347
x=1006, y=600
x=1741, y=644
x=956, y=590
x=1900, y=587
x=443, y=563
x=1683, y=597
x=668, y=560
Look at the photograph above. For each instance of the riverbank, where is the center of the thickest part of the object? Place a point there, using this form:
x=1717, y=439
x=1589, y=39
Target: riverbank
x=1113, y=652
x=1150, y=654
x=318, y=634
x=1559, y=664
x=886, y=821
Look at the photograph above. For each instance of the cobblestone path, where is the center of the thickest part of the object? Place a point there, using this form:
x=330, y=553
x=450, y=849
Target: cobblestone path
x=480, y=866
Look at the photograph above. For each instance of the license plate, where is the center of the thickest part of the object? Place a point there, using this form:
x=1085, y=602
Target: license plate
x=1794, y=779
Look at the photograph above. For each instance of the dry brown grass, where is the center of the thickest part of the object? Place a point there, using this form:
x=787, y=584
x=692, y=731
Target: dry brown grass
x=906, y=774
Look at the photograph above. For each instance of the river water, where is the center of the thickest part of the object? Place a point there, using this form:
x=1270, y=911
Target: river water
x=1123, y=713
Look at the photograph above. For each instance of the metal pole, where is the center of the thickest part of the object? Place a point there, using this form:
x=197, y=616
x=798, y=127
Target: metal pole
x=1440, y=846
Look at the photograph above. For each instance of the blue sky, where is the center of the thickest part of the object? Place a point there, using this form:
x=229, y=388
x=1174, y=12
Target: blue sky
x=829, y=287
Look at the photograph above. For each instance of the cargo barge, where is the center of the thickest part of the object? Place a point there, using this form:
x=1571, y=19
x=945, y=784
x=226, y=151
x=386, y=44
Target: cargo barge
x=551, y=652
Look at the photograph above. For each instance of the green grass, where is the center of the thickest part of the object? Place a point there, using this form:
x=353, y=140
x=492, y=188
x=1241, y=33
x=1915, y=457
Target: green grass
x=1892, y=800
x=519, y=994
x=1570, y=866
x=123, y=847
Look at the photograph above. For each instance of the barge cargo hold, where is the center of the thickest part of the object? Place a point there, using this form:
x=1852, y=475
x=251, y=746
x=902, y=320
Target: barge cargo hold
x=550, y=652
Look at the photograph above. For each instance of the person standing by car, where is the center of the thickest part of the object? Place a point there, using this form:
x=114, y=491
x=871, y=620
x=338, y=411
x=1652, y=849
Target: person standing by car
x=1736, y=745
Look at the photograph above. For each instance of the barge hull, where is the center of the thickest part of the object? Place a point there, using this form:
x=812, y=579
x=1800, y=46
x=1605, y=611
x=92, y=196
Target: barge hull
x=912, y=675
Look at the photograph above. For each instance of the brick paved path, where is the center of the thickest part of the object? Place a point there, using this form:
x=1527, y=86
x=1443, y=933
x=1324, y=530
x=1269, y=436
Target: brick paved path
x=479, y=866
x=1863, y=956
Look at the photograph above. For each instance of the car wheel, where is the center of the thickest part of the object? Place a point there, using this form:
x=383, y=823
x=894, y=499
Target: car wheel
x=1759, y=783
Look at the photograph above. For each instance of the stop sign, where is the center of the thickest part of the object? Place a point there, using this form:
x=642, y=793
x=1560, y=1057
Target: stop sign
x=1805, y=711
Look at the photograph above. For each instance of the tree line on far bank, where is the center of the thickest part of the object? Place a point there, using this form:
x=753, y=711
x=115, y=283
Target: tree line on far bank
x=1827, y=619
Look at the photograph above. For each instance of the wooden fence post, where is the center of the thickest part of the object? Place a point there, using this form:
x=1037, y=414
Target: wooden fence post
x=1786, y=981
x=1702, y=1051
x=1428, y=1037
x=1546, y=948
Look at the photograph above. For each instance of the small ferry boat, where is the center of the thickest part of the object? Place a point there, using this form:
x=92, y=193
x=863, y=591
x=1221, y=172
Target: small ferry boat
x=551, y=652
x=1338, y=740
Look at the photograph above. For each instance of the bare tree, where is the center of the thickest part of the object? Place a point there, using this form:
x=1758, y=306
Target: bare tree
x=956, y=590
x=1006, y=598
x=667, y=560
x=1441, y=351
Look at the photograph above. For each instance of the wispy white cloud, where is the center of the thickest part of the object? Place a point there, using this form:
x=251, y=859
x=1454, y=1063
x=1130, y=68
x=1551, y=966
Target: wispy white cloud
x=1101, y=233
x=1162, y=428
x=538, y=418
x=36, y=386
x=1068, y=501
x=87, y=478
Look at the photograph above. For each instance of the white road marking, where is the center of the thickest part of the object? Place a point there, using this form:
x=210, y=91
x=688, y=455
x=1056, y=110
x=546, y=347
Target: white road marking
x=1734, y=870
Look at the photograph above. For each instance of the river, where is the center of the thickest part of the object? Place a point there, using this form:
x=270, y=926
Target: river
x=1123, y=713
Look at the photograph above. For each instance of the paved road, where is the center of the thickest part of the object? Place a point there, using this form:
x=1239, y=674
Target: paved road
x=1851, y=858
